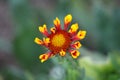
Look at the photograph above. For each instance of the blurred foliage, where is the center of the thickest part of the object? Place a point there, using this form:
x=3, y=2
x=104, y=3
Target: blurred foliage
x=100, y=67
x=101, y=19
x=24, y=17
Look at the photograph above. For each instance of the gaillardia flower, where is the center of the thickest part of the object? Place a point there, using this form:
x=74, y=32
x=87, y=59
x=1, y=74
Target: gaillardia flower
x=59, y=41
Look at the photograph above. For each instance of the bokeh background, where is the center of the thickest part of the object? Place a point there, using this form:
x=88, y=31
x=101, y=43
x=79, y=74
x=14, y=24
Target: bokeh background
x=100, y=53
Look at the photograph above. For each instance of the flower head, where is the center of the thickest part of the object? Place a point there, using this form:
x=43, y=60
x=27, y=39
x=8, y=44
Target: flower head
x=59, y=41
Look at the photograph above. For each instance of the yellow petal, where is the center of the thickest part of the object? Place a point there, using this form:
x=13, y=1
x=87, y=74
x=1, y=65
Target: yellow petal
x=43, y=57
x=53, y=29
x=77, y=45
x=81, y=34
x=56, y=22
x=62, y=53
x=73, y=28
x=75, y=53
x=38, y=41
x=43, y=29
x=46, y=40
x=68, y=19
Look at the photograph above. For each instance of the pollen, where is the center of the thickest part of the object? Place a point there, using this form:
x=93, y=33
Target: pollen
x=58, y=40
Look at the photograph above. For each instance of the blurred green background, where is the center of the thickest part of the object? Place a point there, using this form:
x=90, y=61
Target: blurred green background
x=100, y=53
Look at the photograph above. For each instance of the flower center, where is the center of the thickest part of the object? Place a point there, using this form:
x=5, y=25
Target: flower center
x=58, y=40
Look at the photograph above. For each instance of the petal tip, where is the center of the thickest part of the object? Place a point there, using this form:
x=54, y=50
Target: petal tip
x=62, y=53
x=75, y=53
x=38, y=41
x=43, y=57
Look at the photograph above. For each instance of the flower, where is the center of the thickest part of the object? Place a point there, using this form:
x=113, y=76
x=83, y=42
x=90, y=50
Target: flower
x=59, y=41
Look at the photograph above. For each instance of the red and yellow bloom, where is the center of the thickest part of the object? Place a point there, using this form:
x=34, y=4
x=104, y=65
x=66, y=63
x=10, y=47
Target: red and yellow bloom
x=60, y=41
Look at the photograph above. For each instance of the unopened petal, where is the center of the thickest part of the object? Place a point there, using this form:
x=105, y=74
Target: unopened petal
x=75, y=53
x=46, y=41
x=57, y=23
x=73, y=28
x=81, y=34
x=43, y=30
x=38, y=41
x=53, y=29
x=67, y=21
x=76, y=45
x=43, y=57
x=62, y=53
